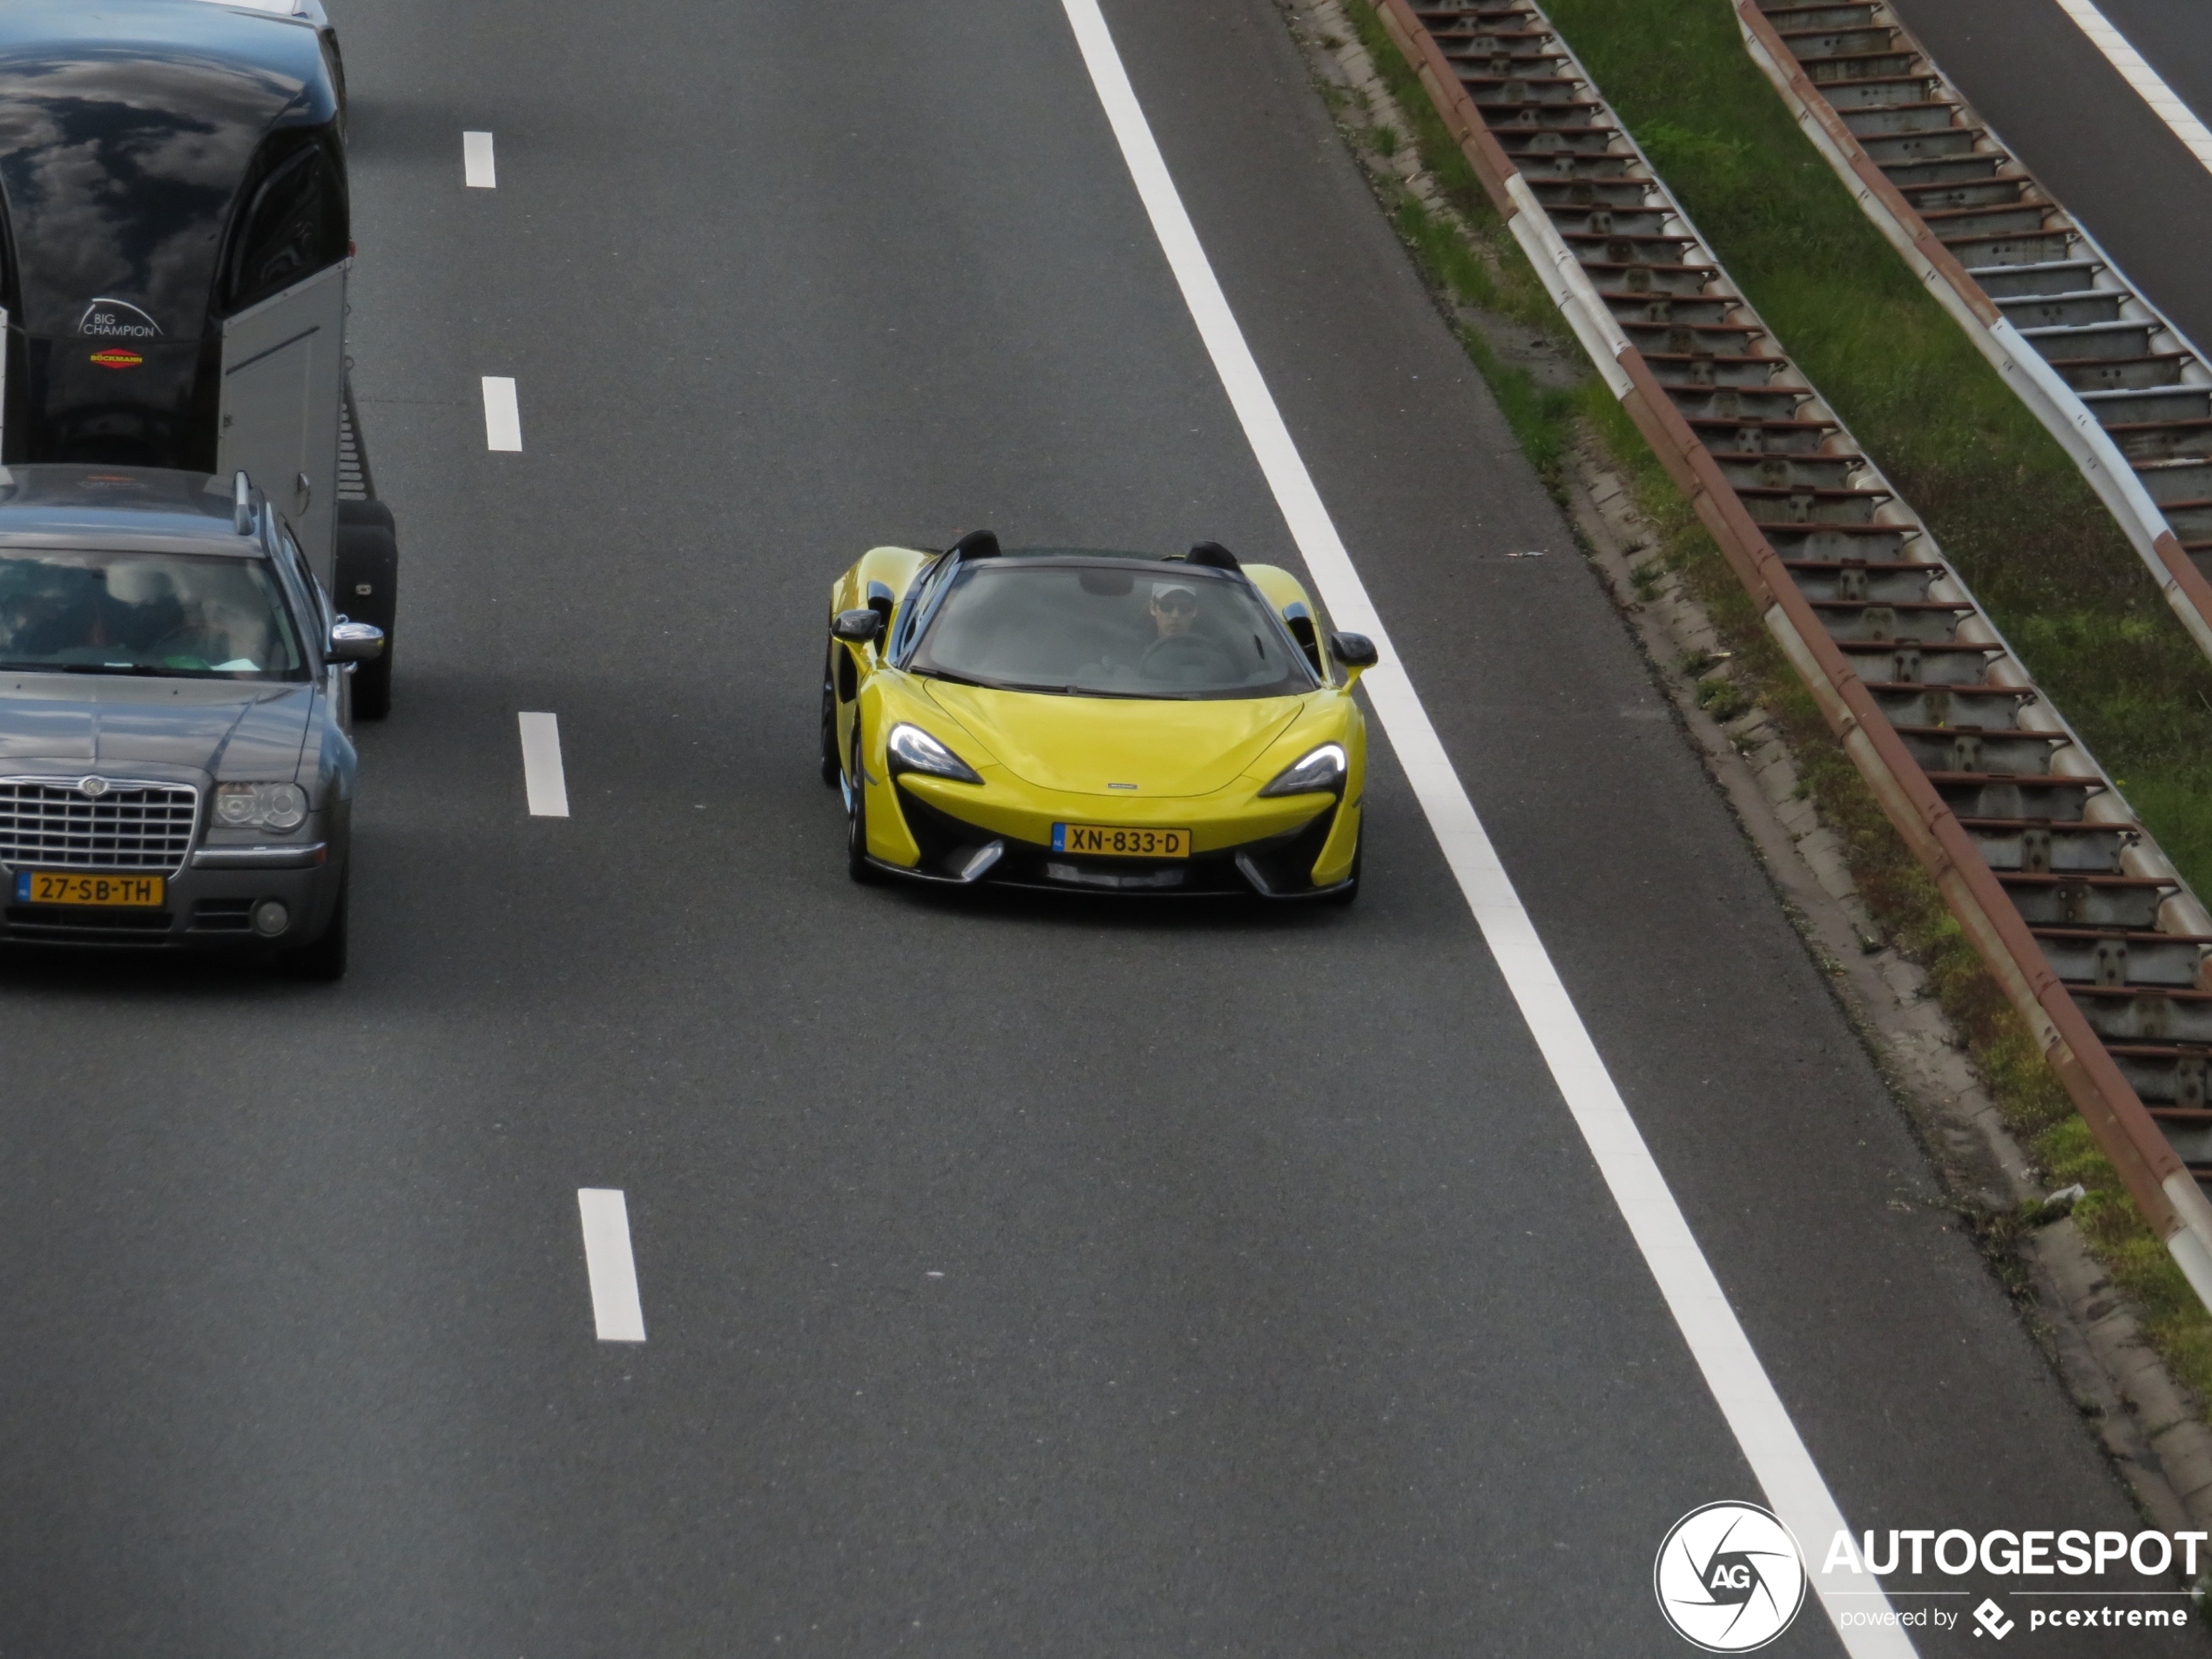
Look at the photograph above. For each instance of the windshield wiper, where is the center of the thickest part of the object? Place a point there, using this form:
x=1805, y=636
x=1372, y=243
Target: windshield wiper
x=70, y=668
x=982, y=685
x=143, y=671
x=1065, y=688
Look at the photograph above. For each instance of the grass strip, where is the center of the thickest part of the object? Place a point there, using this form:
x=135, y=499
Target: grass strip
x=2003, y=498
x=2012, y=512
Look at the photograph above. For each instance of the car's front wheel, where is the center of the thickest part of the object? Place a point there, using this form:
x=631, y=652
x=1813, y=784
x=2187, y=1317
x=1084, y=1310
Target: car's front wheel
x=1350, y=890
x=829, y=720
x=856, y=820
x=325, y=960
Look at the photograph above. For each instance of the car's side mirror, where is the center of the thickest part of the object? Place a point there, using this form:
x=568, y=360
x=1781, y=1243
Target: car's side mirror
x=355, y=641
x=857, y=627
x=1355, y=651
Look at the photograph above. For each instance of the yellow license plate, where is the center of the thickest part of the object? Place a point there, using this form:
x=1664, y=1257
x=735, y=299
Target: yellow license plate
x=66, y=887
x=1108, y=841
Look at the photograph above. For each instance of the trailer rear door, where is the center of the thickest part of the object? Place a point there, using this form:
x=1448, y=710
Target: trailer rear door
x=284, y=377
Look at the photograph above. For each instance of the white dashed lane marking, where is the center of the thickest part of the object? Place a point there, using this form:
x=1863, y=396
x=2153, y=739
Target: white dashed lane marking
x=542, y=775
x=615, y=1307
x=503, y=416
x=476, y=161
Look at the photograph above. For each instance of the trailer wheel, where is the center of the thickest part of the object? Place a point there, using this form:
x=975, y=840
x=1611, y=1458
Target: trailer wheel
x=368, y=589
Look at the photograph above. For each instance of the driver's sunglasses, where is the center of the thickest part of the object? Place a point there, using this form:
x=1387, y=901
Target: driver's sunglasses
x=1177, y=604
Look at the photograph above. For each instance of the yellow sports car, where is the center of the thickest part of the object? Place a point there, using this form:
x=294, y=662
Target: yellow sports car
x=1088, y=720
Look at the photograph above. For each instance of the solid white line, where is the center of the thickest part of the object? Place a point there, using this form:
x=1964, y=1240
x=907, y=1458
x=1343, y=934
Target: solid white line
x=1755, y=1413
x=2150, y=85
x=615, y=1309
x=503, y=416
x=476, y=161
x=544, y=777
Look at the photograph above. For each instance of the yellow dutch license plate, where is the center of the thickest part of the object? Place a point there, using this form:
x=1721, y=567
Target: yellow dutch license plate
x=1111, y=841
x=66, y=887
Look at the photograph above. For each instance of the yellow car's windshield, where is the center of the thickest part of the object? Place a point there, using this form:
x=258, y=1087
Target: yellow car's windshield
x=1109, y=628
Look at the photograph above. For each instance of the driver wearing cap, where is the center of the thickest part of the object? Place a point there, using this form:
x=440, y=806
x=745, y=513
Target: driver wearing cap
x=1174, y=608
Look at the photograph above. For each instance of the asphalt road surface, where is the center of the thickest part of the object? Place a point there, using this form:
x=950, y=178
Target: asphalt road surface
x=1018, y=1277
x=2088, y=135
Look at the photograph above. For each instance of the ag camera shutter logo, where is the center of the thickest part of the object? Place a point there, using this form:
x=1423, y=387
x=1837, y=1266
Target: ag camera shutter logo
x=1729, y=1577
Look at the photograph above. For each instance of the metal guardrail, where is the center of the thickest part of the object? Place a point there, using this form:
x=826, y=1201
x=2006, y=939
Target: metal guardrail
x=2090, y=930
x=2120, y=387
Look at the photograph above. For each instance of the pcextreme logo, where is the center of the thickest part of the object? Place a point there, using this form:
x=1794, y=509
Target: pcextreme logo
x=1729, y=1577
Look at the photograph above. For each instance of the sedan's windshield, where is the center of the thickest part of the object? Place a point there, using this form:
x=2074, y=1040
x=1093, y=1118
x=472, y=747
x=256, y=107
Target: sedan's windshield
x=1109, y=629
x=197, y=616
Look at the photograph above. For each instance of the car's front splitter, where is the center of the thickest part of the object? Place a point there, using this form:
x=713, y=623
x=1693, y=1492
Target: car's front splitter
x=961, y=855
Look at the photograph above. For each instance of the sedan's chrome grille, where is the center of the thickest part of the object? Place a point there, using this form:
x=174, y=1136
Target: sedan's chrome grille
x=46, y=824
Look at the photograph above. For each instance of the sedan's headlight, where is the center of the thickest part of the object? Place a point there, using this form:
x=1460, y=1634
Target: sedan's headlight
x=269, y=807
x=914, y=750
x=1321, y=770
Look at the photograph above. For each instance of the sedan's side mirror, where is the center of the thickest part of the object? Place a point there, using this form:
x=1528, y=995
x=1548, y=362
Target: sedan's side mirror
x=355, y=641
x=1354, y=650
x=857, y=627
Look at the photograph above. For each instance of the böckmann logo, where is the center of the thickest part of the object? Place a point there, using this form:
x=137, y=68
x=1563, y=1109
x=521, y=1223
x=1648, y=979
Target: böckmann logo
x=1729, y=1577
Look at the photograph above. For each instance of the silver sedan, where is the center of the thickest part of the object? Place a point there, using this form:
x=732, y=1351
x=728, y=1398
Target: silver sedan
x=175, y=765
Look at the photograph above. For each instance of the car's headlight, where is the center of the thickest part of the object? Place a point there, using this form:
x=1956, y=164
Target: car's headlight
x=1320, y=770
x=914, y=750
x=269, y=807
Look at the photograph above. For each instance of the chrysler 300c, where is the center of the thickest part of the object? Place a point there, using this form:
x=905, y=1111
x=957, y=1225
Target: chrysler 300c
x=174, y=764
